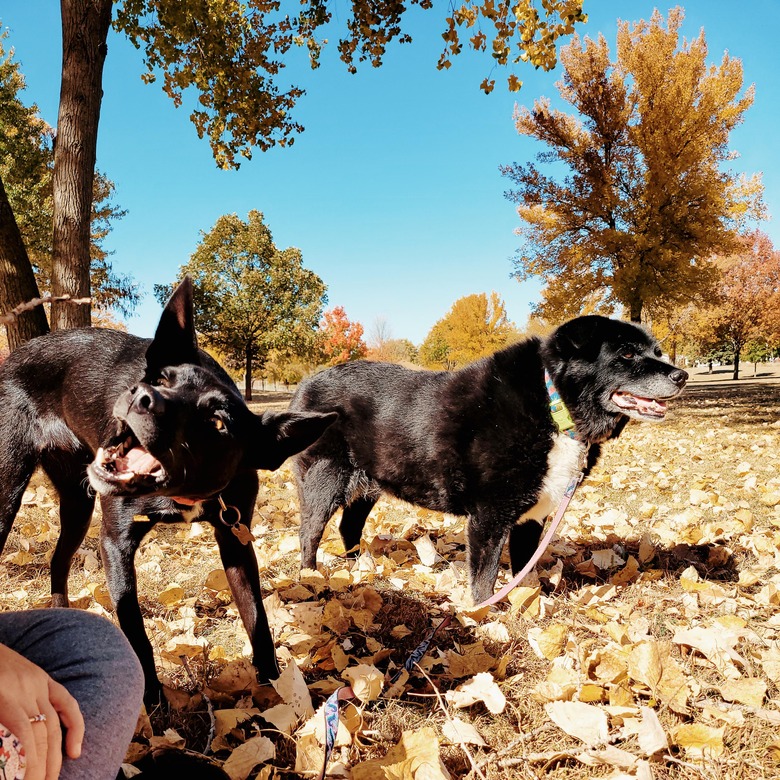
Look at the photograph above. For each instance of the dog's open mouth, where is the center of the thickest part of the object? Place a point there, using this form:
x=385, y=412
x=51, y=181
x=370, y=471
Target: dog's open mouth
x=127, y=460
x=645, y=407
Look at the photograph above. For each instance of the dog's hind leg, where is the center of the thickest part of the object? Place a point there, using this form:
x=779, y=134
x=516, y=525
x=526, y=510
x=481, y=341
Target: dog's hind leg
x=15, y=473
x=20, y=450
x=76, y=505
x=352, y=522
x=321, y=491
x=523, y=541
x=18, y=459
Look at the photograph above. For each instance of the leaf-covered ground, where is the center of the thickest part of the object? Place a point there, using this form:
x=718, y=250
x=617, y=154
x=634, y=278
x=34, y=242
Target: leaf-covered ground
x=646, y=645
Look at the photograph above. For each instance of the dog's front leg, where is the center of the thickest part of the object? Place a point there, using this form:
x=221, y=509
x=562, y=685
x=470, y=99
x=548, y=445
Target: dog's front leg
x=240, y=564
x=243, y=576
x=486, y=534
x=523, y=541
x=119, y=539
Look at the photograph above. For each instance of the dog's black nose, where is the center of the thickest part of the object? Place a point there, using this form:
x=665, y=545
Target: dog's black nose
x=146, y=400
x=679, y=377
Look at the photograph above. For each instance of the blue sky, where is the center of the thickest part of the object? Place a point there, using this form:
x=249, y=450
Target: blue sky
x=393, y=192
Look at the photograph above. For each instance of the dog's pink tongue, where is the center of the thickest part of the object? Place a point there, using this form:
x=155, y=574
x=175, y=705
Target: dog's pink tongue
x=650, y=405
x=140, y=461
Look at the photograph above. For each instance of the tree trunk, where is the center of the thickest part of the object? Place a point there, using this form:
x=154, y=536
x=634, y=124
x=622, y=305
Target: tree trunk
x=737, y=351
x=17, y=281
x=635, y=310
x=248, y=374
x=673, y=350
x=84, y=32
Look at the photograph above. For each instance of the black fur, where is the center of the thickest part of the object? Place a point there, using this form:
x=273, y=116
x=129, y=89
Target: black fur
x=158, y=427
x=473, y=442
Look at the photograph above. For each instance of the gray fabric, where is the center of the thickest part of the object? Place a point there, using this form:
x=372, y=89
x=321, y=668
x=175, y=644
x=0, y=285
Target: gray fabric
x=92, y=659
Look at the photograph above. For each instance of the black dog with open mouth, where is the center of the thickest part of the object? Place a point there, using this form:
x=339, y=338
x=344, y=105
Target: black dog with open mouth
x=484, y=441
x=162, y=433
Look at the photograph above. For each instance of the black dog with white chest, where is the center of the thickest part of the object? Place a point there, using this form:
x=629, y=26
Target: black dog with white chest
x=480, y=442
x=163, y=434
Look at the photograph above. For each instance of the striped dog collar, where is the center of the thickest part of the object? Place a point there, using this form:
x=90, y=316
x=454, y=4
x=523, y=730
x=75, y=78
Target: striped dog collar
x=560, y=413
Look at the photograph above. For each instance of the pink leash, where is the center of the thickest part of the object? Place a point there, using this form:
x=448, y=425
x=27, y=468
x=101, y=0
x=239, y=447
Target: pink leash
x=331, y=707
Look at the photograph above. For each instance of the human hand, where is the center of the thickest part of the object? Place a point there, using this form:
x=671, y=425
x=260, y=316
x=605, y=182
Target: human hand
x=25, y=691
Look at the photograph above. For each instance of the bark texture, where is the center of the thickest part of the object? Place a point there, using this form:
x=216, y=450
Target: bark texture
x=248, y=372
x=17, y=281
x=84, y=31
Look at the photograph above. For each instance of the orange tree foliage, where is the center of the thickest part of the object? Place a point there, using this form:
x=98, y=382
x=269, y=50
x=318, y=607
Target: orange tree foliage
x=340, y=339
x=646, y=199
x=474, y=327
x=748, y=297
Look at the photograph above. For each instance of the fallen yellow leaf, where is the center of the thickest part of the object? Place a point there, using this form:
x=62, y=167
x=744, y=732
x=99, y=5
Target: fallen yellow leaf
x=750, y=691
x=415, y=757
x=699, y=741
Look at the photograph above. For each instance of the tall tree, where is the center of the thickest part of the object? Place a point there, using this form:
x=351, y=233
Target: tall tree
x=17, y=280
x=250, y=297
x=647, y=199
x=22, y=161
x=26, y=163
x=231, y=53
x=340, y=339
x=474, y=327
x=749, y=283
x=85, y=26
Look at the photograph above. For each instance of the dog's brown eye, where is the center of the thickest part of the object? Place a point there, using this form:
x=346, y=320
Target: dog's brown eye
x=162, y=381
x=218, y=423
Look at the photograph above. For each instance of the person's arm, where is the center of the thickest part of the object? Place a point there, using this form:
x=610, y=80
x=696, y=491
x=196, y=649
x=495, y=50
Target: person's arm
x=27, y=691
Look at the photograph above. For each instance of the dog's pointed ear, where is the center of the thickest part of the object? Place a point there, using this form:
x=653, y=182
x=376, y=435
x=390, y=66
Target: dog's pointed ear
x=280, y=435
x=174, y=340
x=574, y=336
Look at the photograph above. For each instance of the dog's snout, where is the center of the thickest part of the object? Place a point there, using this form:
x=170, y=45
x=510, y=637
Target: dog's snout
x=146, y=400
x=679, y=377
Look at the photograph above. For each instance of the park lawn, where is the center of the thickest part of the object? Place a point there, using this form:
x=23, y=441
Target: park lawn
x=646, y=645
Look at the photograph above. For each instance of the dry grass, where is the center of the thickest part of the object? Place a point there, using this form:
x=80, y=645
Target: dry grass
x=693, y=501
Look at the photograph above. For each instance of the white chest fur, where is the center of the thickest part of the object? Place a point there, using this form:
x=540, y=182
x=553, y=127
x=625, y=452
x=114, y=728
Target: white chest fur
x=192, y=513
x=564, y=461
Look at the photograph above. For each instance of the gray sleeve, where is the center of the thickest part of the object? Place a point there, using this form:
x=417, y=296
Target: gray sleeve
x=90, y=656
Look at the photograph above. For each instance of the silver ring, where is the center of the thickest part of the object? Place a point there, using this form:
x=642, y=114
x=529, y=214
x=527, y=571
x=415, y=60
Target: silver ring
x=39, y=718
